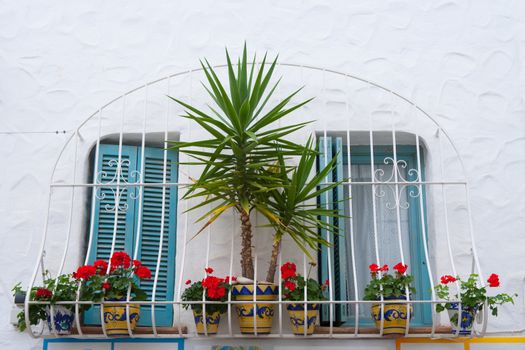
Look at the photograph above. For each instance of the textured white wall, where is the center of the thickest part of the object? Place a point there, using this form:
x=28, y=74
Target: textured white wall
x=460, y=60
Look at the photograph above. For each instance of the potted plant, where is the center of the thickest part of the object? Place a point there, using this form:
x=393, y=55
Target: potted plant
x=472, y=296
x=210, y=288
x=101, y=282
x=62, y=288
x=392, y=288
x=243, y=169
x=293, y=286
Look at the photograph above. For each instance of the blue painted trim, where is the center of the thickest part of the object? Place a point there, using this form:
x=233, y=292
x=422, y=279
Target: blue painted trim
x=179, y=341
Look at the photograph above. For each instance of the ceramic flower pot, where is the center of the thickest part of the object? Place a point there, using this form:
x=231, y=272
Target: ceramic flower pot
x=115, y=318
x=63, y=319
x=212, y=322
x=297, y=318
x=468, y=314
x=263, y=312
x=395, y=316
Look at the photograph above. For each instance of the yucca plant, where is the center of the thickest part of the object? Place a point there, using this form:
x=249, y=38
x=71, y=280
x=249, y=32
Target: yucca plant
x=293, y=209
x=246, y=145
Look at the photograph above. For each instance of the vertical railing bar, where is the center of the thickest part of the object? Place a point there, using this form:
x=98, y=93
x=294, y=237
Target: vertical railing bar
x=351, y=228
x=162, y=221
x=305, y=319
x=183, y=259
x=424, y=232
x=207, y=261
x=475, y=254
x=117, y=190
x=117, y=203
x=395, y=169
x=447, y=231
x=374, y=217
x=230, y=273
x=68, y=236
x=255, y=297
x=92, y=221
x=139, y=199
x=280, y=295
x=327, y=206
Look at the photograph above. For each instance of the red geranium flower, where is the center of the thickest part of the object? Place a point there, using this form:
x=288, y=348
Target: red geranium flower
x=447, y=279
x=43, y=293
x=120, y=259
x=85, y=272
x=216, y=293
x=289, y=285
x=493, y=280
x=211, y=282
x=105, y=285
x=327, y=282
x=374, y=268
x=288, y=270
x=400, y=268
x=143, y=272
x=384, y=268
x=208, y=270
x=137, y=263
x=188, y=282
x=101, y=266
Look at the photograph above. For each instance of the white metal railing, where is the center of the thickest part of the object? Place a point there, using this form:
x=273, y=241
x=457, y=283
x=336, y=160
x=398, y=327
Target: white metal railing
x=158, y=123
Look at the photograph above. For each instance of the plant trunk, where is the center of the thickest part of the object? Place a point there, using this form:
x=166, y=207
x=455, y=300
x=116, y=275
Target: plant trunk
x=276, y=248
x=246, y=246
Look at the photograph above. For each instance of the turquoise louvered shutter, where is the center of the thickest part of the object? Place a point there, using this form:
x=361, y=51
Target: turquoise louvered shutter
x=334, y=200
x=106, y=208
x=150, y=229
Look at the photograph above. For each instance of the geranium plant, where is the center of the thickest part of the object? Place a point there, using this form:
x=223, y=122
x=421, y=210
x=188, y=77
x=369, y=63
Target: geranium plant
x=215, y=289
x=471, y=294
x=112, y=281
x=53, y=290
x=388, y=285
x=293, y=284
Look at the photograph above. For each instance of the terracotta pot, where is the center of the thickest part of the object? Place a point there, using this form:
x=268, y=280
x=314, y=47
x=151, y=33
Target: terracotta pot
x=264, y=311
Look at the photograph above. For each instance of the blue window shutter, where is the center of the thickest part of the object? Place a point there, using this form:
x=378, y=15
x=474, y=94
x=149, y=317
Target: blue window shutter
x=340, y=258
x=150, y=232
x=325, y=201
x=104, y=214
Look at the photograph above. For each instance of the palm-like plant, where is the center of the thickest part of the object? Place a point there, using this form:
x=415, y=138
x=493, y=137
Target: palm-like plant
x=293, y=209
x=245, y=148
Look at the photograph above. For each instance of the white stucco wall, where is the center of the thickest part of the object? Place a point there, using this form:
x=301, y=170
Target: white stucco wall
x=461, y=61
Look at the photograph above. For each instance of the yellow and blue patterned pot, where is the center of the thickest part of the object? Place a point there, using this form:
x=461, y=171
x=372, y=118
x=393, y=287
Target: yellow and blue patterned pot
x=264, y=311
x=296, y=312
x=395, y=316
x=212, y=322
x=115, y=318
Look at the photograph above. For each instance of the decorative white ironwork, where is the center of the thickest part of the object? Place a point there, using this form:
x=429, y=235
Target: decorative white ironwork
x=398, y=181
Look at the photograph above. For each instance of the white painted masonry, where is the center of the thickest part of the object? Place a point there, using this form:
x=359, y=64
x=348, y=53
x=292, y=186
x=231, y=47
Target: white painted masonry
x=460, y=61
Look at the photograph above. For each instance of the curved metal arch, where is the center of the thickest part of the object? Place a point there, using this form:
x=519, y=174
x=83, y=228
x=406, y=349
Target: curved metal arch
x=76, y=133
